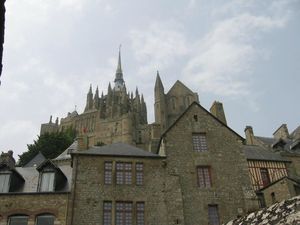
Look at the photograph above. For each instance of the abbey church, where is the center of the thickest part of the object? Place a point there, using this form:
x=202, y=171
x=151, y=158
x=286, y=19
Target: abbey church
x=188, y=167
x=121, y=116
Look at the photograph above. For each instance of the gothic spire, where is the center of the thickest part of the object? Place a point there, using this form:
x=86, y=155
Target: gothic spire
x=158, y=83
x=119, y=81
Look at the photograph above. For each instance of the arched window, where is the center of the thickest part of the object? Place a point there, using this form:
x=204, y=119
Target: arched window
x=45, y=219
x=18, y=220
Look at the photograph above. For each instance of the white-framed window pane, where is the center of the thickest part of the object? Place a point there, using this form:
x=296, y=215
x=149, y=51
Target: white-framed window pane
x=199, y=142
x=47, y=181
x=107, y=213
x=18, y=220
x=4, y=183
x=140, y=213
x=45, y=220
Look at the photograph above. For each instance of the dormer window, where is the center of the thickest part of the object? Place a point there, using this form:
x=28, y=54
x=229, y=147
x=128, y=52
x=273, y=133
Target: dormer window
x=4, y=182
x=47, y=182
x=51, y=177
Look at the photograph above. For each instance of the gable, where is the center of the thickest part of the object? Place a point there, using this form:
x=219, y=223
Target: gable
x=179, y=89
x=202, y=111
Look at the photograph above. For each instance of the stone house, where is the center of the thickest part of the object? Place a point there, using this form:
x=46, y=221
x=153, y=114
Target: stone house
x=34, y=194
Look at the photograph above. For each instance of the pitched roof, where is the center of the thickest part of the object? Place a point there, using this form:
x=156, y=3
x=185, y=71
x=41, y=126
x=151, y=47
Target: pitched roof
x=31, y=177
x=254, y=152
x=179, y=84
x=209, y=113
x=65, y=155
x=283, y=178
x=118, y=149
x=36, y=161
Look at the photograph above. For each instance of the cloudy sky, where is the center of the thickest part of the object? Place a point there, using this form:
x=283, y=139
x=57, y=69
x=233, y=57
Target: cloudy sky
x=243, y=53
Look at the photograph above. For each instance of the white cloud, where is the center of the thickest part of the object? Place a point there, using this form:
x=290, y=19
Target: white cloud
x=158, y=45
x=223, y=59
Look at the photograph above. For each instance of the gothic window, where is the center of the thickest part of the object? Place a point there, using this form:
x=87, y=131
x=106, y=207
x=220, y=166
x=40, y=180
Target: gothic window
x=213, y=215
x=107, y=213
x=4, y=182
x=140, y=213
x=187, y=101
x=124, y=213
x=139, y=173
x=199, y=142
x=47, y=182
x=45, y=219
x=173, y=103
x=204, y=176
x=265, y=176
x=108, y=173
x=18, y=220
x=123, y=173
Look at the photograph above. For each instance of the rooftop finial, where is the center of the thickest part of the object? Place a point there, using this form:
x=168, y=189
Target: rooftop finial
x=119, y=81
x=119, y=68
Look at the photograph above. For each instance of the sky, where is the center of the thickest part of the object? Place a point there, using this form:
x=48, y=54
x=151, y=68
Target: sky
x=243, y=53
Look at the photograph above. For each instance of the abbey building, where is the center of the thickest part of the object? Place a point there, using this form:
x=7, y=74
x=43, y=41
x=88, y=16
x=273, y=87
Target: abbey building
x=188, y=167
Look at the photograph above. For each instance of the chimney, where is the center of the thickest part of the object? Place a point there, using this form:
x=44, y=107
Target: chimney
x=249, y=135
x=218, y=111
x=83, y=143
x=282, y=132
x=8, y=159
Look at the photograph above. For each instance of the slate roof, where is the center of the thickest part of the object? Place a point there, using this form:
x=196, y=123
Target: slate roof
x=288, y=147
x=285, y=212
x=254, y=152
x=65, y=155
x=31, y=177
x=118, y=149
x=36, y=161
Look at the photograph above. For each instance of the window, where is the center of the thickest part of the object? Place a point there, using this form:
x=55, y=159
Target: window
x=123, y=173
x=45, y=219
x=4, y=182
x=199, y=142
x=108, y=173
x=124, y=213
x=47, y=181
x=18, y=220
x=140, y=213
x=204, y=178
x=139, y=174
x=213, y=215
x=107, y=213
x=265, y=176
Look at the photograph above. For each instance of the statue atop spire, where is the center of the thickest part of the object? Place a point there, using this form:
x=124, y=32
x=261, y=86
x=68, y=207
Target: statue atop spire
x=119, y=81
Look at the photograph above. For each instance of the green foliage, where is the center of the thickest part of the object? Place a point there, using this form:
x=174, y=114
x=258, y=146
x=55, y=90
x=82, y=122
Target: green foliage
x=49, y=144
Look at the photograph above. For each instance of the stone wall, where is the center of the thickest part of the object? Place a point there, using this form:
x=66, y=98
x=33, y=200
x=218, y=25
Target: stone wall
x=231, y=190
x=33, y=205
x=86, y=204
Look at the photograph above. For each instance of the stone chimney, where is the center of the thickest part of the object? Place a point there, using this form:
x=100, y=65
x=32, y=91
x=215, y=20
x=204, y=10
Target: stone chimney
x=83, y=143
x=218, y=111
x=282, y=132
x=8, y=159
x=249, y=135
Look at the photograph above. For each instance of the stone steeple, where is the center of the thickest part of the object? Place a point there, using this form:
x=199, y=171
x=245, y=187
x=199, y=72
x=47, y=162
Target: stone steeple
x=89, y=100
x=119, y=81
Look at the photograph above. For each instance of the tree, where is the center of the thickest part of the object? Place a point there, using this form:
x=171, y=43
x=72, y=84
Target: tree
x=49, y=144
